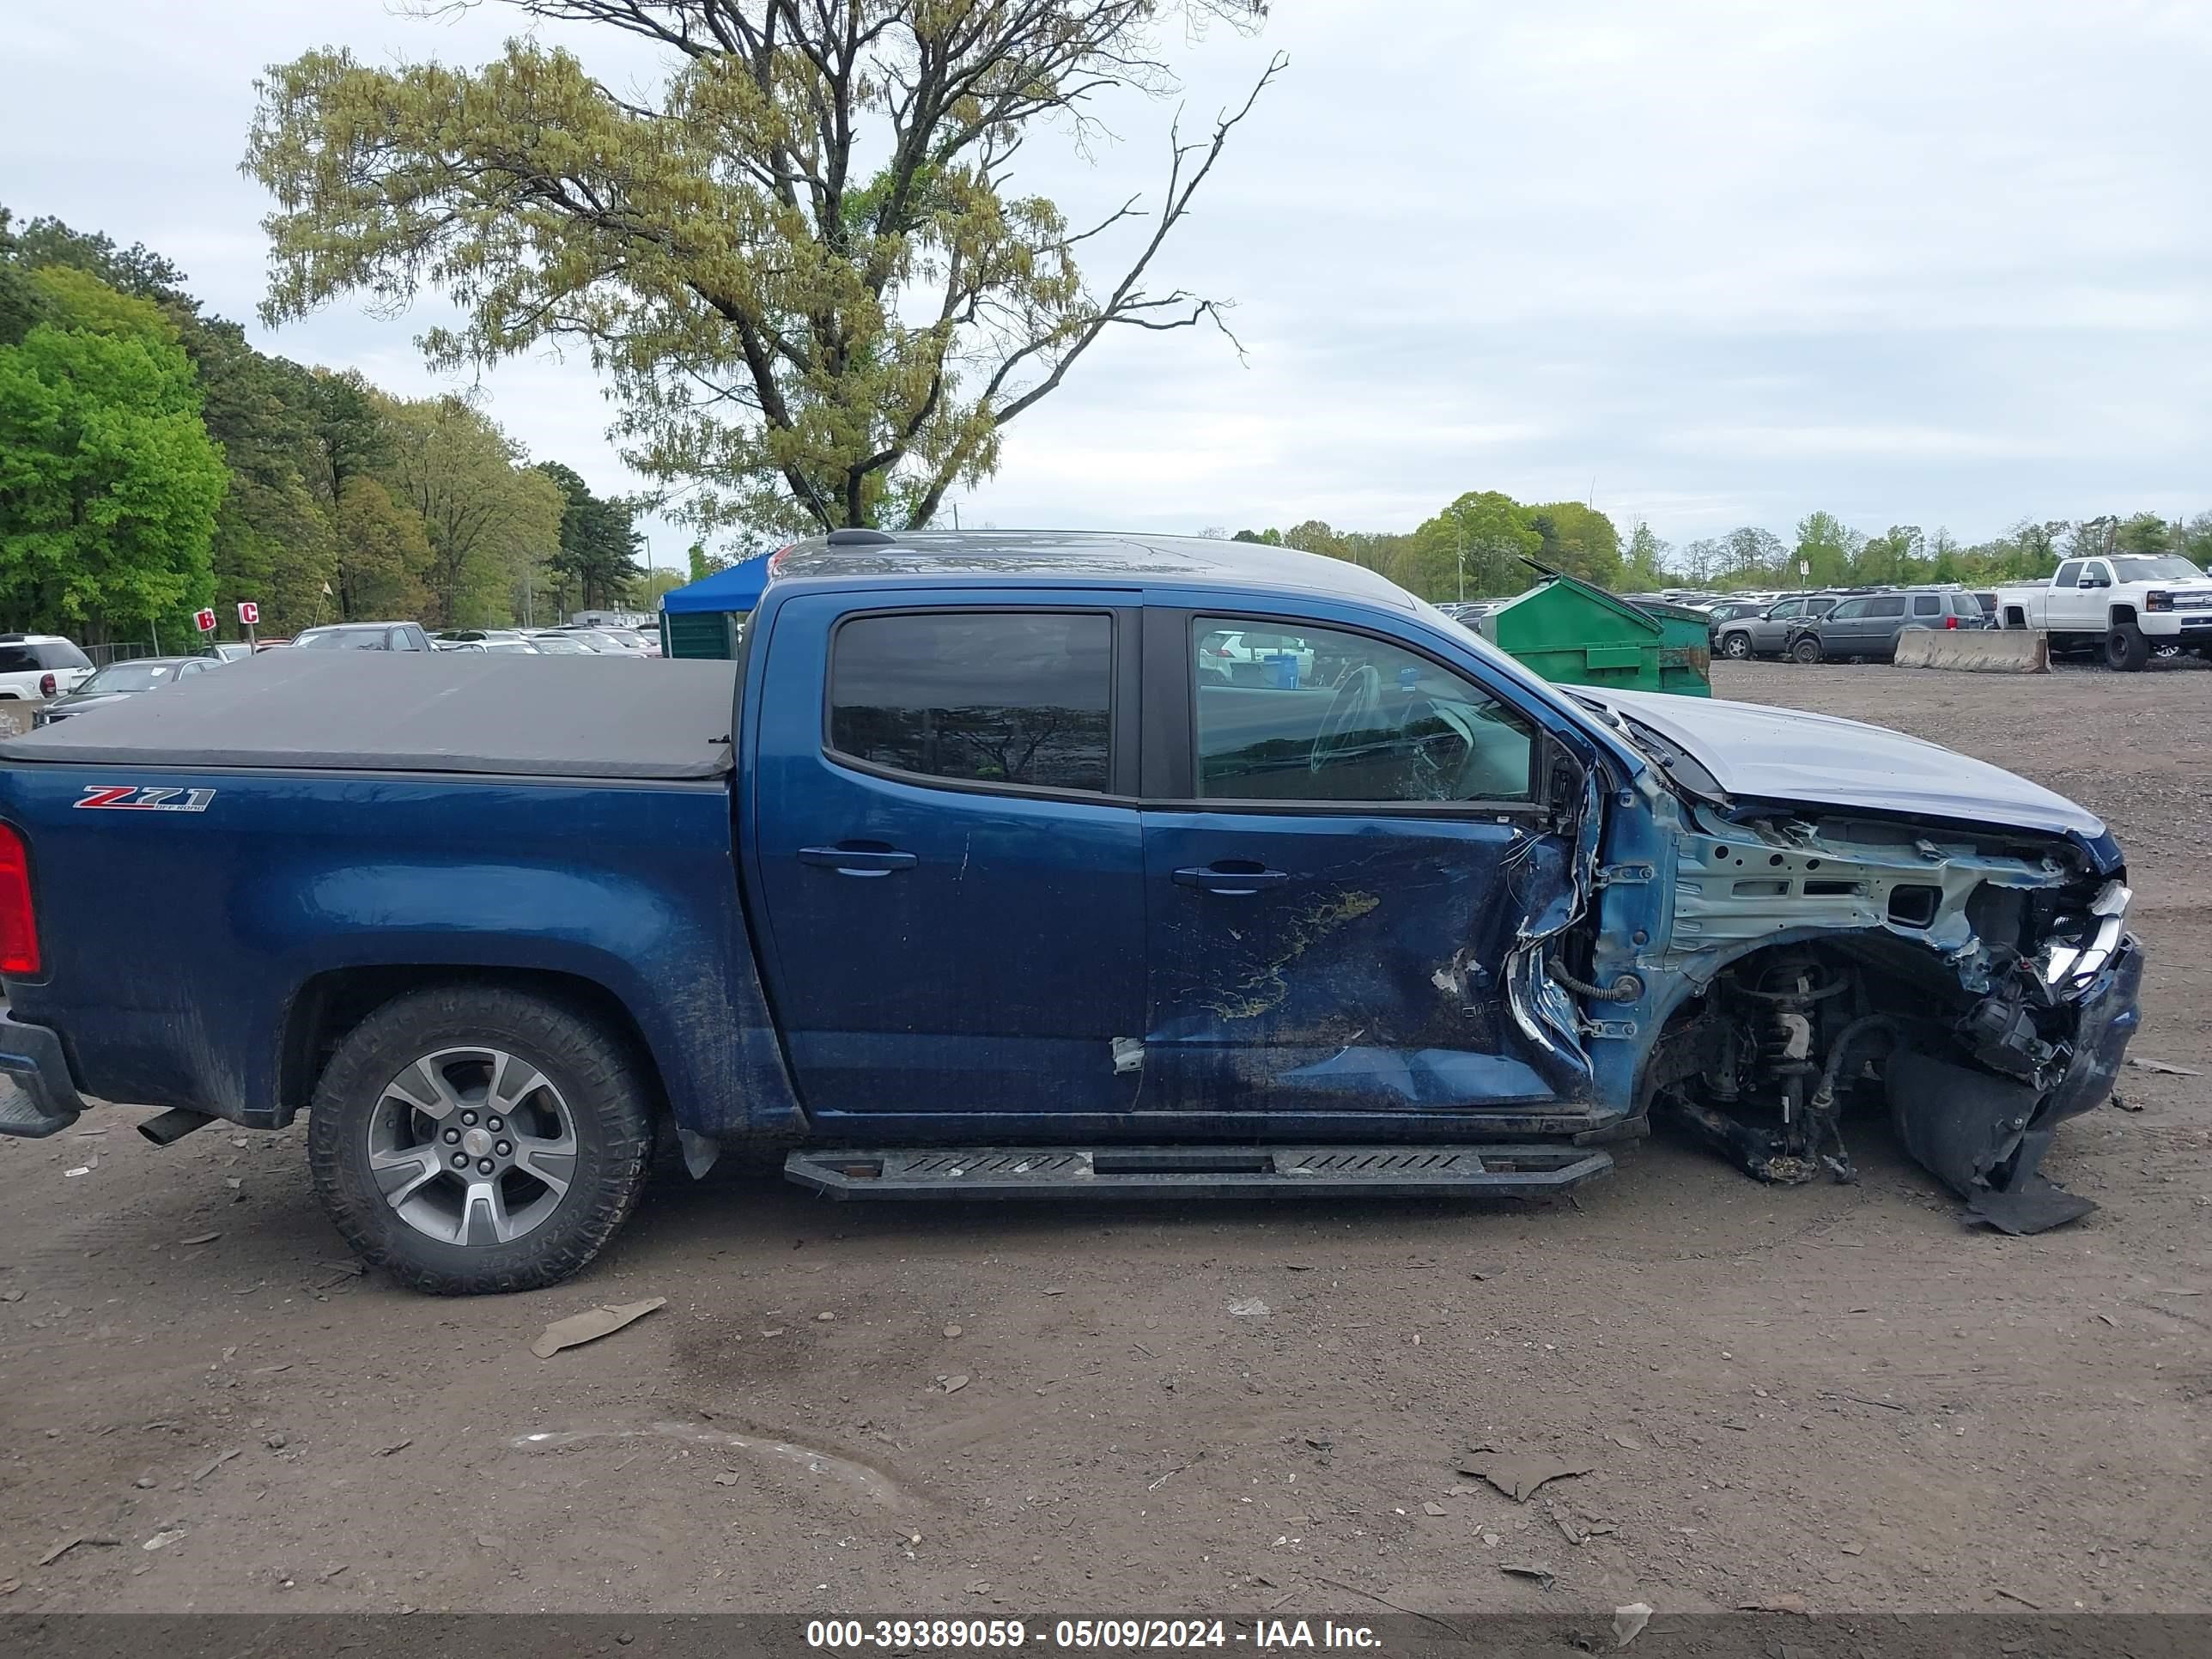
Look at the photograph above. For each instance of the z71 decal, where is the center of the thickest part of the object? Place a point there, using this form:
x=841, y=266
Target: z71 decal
x=144, y=798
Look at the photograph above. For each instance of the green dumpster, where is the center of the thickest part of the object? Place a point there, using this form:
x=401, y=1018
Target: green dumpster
x=1574, y=633
x=1685, y=648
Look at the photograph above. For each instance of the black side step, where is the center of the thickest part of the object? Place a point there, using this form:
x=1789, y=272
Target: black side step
x=1501, y=1171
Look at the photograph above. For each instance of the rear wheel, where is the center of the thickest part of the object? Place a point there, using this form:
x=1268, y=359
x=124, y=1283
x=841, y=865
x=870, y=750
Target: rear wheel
x=1737, y=646
x=1805, y=650
x=470, y=1141
x=2126, y=648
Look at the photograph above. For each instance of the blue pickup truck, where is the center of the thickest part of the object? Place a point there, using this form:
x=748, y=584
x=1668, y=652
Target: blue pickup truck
x=975, y=875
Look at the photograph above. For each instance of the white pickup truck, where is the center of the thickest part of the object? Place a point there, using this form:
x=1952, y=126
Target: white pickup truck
x=2125, y=605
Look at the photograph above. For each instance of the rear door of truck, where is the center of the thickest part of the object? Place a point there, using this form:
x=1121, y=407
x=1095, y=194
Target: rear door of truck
x=946, y=847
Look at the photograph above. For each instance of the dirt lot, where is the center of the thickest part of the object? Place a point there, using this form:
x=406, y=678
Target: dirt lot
x=1838, y=1394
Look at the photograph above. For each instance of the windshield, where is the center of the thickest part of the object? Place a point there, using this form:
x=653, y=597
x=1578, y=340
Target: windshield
x=131, y=677
x=2144, y=569
x=511, y=648
x=343, y=639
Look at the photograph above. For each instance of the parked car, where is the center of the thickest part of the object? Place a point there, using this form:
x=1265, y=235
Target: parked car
x=1866, y=628
x=554, y=643
x=230, y=650
x=1729, y=611
x=1255, y=656
x=364, y=636
x=2126, y=606
x=33, y=666
x=494, y=647
x=902, y=891
x=122, y=680
x=1765, y=632
x=453, y=637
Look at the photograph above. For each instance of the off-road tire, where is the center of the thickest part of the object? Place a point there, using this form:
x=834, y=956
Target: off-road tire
x=1736, y=647
x=2127, y=648
x=1807, y=650
x=596, y=1076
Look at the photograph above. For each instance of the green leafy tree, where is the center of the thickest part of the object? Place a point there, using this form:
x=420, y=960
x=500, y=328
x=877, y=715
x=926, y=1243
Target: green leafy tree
x=801, y=259
x=1826, y=548
x=701, y=564
x=1579, y=540
x=1473, y=547
x=2145, y=533
x=598, y=546
x=486, y=515
x=1645, y=565
x=109, y=484
x=383, y=555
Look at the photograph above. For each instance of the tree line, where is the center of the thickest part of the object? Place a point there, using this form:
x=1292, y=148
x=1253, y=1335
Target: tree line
x=1481, y=546
x=153, y=462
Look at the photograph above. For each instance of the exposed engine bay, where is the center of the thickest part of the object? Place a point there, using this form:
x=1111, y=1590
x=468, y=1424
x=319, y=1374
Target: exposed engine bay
x=1976, y=984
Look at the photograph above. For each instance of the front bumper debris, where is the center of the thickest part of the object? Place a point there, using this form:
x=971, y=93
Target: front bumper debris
x=1985, y=1136
x=38, y=1097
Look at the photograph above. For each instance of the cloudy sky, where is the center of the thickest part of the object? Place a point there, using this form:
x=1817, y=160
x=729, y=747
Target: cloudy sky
x=1704, y=263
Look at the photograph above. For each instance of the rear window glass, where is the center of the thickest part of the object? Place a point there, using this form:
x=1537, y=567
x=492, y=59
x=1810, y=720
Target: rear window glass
x=343, y=638
x=1005, y=697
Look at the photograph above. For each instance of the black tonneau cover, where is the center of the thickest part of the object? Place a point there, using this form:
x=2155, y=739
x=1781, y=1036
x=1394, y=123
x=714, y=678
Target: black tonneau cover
x=383, y=711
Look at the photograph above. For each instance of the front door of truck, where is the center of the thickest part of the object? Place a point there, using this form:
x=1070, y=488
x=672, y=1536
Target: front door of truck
x=950, y=864
x=1336, y=898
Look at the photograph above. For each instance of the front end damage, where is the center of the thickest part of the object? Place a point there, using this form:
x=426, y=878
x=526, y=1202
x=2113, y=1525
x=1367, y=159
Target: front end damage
x=1978, y=982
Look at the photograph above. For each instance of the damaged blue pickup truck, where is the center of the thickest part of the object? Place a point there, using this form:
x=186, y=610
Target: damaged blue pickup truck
x=1012, y=864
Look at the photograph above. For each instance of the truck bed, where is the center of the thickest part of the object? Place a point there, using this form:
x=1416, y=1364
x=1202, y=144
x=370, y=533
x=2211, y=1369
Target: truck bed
x=450, y=712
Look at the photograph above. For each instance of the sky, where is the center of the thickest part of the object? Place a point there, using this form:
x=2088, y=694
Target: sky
x=1701, y=264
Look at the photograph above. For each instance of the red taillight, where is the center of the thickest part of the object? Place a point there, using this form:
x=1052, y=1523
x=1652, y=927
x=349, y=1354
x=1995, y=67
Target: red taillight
x=19, y=924
x=46, y=684
x=1950, y=622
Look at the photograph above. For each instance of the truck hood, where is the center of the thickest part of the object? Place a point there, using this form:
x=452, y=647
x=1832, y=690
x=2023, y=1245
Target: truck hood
x=1765, y=753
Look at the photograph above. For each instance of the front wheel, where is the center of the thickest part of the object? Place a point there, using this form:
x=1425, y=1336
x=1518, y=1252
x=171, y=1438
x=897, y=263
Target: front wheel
x=1806, y=650
x=1736, y=646
x=470, y=1141
x=2126, y=648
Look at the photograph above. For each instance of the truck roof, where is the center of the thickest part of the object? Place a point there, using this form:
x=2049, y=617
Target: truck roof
x=1082, y=557
x=382, y=711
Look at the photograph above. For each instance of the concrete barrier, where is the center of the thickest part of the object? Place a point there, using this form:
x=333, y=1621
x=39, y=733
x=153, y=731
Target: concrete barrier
x=1976, y=650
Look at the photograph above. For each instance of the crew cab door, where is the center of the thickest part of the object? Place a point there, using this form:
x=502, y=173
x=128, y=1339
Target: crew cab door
x=1338, y=873
x=951, y=868
x=2067, y=606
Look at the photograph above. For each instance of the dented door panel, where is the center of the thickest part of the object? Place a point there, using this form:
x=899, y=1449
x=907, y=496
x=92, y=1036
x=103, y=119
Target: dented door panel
x=1370, y=969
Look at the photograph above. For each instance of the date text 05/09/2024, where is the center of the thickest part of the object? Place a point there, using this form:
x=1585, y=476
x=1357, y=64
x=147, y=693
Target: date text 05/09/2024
x=989, y=1635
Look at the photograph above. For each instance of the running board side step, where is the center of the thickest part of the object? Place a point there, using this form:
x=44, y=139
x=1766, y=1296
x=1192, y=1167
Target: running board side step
x=1487, y=1171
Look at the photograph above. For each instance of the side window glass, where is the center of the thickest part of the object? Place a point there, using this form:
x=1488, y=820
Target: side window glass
x=1783, y=612
x=1332, y=716
x=1927, y=604
x=2068, y=573
x=1890, y=605
x=1848, y=609
x=983, y=698
x=17, y=659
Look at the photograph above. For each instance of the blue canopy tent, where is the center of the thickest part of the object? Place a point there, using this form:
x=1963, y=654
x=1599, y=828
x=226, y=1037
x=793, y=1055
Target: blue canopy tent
x=704, y=619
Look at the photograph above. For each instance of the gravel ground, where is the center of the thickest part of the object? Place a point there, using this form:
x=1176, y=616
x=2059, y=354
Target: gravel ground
x=1831, y=1397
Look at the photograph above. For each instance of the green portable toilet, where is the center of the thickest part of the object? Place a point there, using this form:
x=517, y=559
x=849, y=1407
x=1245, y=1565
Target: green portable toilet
x=1574, y=633
x=706, y=618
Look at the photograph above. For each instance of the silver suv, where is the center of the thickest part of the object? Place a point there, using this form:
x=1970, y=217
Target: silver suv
x=1868, y=626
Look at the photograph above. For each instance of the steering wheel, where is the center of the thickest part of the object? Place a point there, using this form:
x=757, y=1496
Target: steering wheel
x=1357, y=701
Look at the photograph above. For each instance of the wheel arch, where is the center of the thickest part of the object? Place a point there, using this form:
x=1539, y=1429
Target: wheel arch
x=331, y=1004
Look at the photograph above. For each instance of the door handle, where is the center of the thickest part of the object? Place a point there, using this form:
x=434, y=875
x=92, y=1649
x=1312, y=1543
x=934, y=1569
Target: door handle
x=857, y=862
x=1230, y=883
